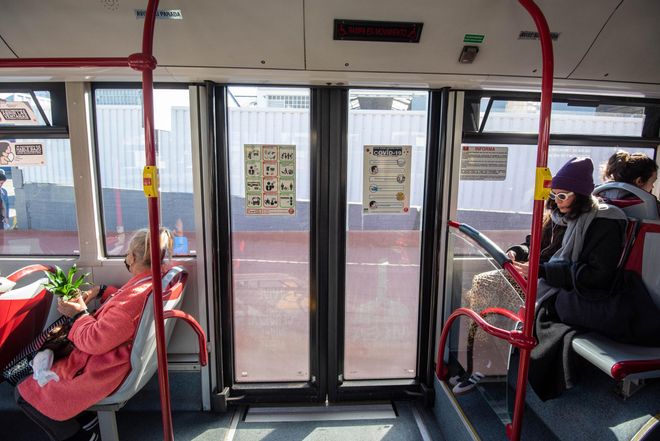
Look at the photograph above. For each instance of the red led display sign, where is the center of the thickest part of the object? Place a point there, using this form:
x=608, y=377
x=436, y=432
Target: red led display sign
x=366, y=30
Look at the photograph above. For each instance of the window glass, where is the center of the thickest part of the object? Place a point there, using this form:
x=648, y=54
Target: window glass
x=502, y=209
x=24, y=100
x=39, y=207
x=514, y=116
x=270, y=182
x=121, y=158
x=383, y=248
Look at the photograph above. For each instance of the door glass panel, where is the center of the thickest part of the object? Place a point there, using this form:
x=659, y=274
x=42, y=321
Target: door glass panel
x=270, y=232
x=383, y=248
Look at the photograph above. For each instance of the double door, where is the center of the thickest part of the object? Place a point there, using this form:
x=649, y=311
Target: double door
x=325, y=290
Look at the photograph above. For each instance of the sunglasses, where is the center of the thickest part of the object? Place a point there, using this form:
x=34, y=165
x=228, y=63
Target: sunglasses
x=560, y=196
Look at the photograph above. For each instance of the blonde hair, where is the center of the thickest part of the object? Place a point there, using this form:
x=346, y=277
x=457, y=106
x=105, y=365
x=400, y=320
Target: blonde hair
x=140, y=247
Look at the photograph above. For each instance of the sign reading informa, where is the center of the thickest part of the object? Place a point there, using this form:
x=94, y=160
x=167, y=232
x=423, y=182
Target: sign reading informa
x=483, y=163
x=270, y=179
x=17, y=113
x=386, y=179
x=20, y=154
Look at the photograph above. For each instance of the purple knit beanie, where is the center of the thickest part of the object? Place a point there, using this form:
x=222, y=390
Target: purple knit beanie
x=576, y=176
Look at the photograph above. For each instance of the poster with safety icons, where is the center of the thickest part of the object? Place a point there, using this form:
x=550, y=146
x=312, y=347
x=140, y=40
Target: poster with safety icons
x=17, y=113
x=386, y=179
x=270, y=179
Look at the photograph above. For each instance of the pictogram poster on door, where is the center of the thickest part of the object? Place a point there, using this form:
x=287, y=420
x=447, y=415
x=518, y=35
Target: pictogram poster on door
x=270, y=179
x=386, y=179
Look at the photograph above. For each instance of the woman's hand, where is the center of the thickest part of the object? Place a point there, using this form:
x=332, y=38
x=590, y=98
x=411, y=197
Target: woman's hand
x=522, y=268
x=71, y=307
x=90, y=294
x=511, y=255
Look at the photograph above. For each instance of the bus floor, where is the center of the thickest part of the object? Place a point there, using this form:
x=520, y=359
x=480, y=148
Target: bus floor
x=141, y=420
x=591, y=410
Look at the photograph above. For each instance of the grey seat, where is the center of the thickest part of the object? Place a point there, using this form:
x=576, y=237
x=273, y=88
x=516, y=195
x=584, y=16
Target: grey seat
x=143, y=353
x=627, y=363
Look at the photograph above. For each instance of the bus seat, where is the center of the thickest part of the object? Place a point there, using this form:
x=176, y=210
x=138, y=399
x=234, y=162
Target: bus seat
x=23, y=313
x=143, y=353
x=634, y=201
x=628, y=363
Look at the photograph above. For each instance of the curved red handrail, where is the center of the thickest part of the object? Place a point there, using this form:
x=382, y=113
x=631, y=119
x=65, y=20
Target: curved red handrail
x=501, y=311
x=19, y=274
x=201, y=336
x=516, y=338
x=513, y=429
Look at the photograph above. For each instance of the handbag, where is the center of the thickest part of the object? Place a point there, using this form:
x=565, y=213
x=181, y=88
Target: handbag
x=54, y=337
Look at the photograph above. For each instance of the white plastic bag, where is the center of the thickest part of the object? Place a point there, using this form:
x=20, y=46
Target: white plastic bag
x=41, y=364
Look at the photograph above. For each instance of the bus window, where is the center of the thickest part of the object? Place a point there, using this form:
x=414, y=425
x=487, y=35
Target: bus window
x=518, y=116
x=38, y=199
x=120, y=142
x=502, y=209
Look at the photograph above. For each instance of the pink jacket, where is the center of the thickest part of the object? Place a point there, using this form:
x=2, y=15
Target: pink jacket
x=101, y=358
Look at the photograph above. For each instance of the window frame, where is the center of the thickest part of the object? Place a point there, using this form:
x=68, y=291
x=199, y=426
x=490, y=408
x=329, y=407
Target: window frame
x=96, y=164
x=58, y=128
x=473, y=128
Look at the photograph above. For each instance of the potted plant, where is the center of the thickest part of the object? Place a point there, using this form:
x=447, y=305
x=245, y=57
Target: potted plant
x=65, y=285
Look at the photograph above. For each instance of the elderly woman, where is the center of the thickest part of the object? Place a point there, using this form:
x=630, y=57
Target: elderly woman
x=100, y=360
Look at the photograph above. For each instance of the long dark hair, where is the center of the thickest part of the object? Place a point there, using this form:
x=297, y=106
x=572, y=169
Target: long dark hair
x=581, y=204
x=628, y=167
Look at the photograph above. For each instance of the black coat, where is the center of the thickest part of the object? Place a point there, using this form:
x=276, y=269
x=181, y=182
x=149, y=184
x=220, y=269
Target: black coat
x=596, y=296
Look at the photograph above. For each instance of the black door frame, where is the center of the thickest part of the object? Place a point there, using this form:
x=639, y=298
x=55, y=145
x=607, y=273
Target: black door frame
x=328, y=156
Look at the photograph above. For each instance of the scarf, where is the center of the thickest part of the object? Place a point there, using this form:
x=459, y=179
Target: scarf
x=573, y=242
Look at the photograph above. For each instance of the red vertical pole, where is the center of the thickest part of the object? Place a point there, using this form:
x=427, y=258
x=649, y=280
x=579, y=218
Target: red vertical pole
x=514, y=429
x=146, y=63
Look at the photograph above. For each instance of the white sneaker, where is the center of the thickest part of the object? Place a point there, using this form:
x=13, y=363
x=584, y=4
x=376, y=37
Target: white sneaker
x=466, y=386
x=453, y=381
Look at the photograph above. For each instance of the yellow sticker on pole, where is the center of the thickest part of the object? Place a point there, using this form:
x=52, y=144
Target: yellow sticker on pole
x=150, y=181
x=543, y=183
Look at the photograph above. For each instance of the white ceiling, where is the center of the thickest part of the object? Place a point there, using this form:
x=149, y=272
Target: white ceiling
x=288, y=41
x=628, y=49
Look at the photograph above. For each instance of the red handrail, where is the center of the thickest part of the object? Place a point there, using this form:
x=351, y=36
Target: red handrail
x=20, y=273
x=525, y=339
x=201, y=336
x=513, y=429
x=146, y=63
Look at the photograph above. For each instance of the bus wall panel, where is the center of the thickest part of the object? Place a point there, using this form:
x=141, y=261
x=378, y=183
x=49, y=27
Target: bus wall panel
x=445, y=24
x=231, y=33
x=627, y=49
x=5, y=52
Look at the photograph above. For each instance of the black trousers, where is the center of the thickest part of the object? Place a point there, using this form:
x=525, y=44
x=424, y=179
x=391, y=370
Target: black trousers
x=56, y=430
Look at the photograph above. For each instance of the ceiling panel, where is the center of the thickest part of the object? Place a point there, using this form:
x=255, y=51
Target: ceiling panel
x=5, y=52
x=628, y=49
x=445, y=24
x=212, y=33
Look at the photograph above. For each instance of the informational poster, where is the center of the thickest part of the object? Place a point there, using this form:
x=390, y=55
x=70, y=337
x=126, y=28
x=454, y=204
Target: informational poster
x=17, y=113
x=270, y=179
x=386, y=179
x=483, y=163
x=21, y=154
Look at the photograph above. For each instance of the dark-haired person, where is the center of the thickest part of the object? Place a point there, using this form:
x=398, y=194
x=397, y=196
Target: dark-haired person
x=575, y=287
x=100, y=361
x=632, y=168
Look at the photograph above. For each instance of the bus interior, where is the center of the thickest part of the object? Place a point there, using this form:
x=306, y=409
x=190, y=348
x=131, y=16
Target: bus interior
x=336, y=179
